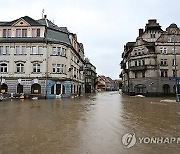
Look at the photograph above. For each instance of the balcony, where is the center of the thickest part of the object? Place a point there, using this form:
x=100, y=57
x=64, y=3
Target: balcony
x=138, y=68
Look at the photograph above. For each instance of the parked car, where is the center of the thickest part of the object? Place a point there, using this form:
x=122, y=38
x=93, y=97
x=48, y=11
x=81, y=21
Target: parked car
x=1, y=97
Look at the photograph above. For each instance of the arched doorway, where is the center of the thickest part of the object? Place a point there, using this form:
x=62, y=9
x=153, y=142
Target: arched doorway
x=140, y=89
x=19, y=88
x=166, y=89
x=4, y=88
x=58, y=89
x=36, y=89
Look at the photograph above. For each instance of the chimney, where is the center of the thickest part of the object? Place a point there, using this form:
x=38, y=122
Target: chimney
x=152, y=21
x=45, y=16
x=141, y=32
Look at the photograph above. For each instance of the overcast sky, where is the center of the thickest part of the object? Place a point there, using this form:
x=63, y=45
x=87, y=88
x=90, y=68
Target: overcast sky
x=103, y=26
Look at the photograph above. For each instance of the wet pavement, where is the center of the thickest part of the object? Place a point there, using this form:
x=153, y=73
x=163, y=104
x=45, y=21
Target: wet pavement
x=93, y=124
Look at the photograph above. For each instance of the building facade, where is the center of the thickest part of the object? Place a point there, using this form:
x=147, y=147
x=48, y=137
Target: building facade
x=39, y=58
x=150, y=64
x=90, y=76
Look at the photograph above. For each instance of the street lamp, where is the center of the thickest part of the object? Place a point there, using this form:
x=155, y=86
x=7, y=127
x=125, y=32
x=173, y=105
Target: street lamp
x=176, y=80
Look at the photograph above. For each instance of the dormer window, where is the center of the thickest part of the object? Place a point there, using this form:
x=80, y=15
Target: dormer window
x=21, y=32
x=6, y=32
x=35, y=32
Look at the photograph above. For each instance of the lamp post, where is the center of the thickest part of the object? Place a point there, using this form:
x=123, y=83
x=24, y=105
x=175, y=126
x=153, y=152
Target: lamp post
x=176, y=81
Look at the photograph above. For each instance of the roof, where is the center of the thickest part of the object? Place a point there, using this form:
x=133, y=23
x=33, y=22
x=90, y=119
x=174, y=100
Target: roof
x=49, y=24
x=105, y=79
x=152, y=25
x=31, y=21
x=57, y=36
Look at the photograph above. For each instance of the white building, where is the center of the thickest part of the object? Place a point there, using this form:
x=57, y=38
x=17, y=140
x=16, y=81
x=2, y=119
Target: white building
x=39, y=58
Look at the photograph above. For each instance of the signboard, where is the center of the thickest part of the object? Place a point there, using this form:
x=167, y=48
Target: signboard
x=173, y=78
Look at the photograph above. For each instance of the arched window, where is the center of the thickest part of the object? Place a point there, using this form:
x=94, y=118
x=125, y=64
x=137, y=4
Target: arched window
x=166, y=89
x=3, y=68
x=36, y=68
x=4, y=88
x=63, y=89
x=20, y=68
x=140, y=89
x=36, y=89
x=19, y=88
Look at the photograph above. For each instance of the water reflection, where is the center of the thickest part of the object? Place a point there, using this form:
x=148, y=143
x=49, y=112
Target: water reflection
x=90, y=124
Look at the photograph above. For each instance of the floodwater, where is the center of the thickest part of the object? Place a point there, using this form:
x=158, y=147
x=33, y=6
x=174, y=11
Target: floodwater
x=92, y=124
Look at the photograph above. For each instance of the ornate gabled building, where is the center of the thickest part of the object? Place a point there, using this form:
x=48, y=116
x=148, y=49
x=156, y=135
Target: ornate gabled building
x=39, y=58
x=90, y=76
x=148, y=65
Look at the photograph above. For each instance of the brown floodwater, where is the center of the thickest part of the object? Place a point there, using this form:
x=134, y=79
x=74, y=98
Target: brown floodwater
x=92, y=124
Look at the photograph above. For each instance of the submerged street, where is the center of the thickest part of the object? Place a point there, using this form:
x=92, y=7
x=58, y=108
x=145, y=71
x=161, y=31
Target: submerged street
x=93, y=124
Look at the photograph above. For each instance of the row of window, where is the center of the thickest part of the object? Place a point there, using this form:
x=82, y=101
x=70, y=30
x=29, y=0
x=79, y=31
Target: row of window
x=163, y=50
x=20, y=68
x=22, y=50
x=21, y=32
x=59, y=68
x=60, y=51
x=164, y=62
x=139, y=62
x=163, y=73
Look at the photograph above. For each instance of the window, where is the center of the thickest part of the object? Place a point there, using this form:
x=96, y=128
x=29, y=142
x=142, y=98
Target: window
x=163, y=50
x=6, y=32
x=9, y=33
x=3, y=68
x=21, y=32
x=135, y=75
x=143, y=62
x=143, y=74
x=23, y=50
x=35, y=32
x=139, y=62
x=18, y=52
x=6, y=50
x=40, y=50
x=24, y=32
x=164, y=73
x=1, y=50
x=58, y=51
x=135, y=63
x=174, y=51
x=153, y=35
x=38, y=32
x=174, y=73
x=63, y=52
x=53, y=68
x=164, y=62
x=18, y=32
x=174, y=62
x=20, y=68
x=34, y=50
x=58, y=68
x=36, y=68
x=54, y=50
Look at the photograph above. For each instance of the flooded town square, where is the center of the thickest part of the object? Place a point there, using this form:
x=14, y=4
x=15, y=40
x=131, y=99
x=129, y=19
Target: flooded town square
x=92, y=124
